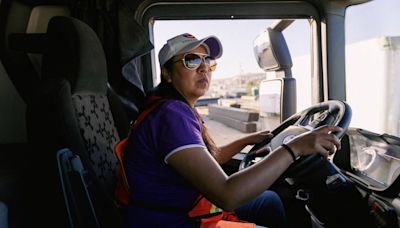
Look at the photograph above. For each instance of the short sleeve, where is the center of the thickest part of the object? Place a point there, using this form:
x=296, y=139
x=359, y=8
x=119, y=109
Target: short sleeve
x=178, y=129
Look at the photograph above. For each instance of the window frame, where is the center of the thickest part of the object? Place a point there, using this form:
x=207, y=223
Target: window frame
x=149, y=11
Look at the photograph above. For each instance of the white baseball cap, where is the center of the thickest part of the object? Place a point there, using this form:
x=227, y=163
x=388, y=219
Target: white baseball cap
x=187, y=42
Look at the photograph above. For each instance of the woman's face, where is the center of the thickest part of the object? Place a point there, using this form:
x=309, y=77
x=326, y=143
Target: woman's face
x=192, y=84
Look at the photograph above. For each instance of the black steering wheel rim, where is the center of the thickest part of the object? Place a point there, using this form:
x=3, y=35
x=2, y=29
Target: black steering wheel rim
x=338, y=114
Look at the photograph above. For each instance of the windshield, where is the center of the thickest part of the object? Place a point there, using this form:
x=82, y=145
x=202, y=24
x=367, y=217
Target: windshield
x=373, y=65
x=236, y=81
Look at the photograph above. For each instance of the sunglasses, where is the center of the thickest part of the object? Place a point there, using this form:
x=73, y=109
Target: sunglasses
x=192, y=61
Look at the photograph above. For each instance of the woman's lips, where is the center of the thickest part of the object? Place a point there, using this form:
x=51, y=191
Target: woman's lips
x=203, y=81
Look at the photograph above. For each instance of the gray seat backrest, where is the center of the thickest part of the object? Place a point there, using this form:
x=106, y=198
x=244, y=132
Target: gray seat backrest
x=73, y=111
x=75, y=57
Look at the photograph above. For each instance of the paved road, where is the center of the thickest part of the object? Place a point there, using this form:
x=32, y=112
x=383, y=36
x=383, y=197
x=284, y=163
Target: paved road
x=221, y=133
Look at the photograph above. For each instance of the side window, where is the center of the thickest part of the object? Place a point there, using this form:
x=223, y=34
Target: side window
x=373, y=66
x=235, y=83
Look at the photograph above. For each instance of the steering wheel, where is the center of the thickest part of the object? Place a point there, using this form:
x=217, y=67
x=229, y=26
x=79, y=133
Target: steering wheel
x=332, y=112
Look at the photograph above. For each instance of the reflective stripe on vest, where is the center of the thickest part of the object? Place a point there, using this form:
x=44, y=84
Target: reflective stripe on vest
x=210, y=215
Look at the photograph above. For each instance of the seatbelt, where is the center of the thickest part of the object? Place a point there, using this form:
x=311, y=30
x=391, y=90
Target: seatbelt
x=122, y=188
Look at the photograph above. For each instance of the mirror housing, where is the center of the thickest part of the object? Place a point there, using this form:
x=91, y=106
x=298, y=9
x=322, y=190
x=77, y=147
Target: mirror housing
x=272, y=52
x=277, y=101
x=278, y=95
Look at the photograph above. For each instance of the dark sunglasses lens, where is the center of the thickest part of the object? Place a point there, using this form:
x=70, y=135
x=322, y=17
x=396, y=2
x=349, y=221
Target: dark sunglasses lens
x=207, y=60
x=192, y=61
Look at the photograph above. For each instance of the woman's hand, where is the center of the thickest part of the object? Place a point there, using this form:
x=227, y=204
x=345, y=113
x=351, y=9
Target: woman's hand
x=228, y=151
x=319, y=140
x=258, y=137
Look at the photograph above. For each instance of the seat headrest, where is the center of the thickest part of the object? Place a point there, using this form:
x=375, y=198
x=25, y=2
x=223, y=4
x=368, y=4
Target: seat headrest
x=75, y=53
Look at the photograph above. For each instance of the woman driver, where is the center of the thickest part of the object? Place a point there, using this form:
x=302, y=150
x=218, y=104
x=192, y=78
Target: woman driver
x=170, y=158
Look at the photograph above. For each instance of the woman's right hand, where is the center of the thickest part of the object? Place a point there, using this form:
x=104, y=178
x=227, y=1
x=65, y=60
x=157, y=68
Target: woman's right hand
x=319, y=140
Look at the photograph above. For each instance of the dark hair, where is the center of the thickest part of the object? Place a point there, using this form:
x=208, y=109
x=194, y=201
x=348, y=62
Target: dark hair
x=169, y=66
x=168, y=91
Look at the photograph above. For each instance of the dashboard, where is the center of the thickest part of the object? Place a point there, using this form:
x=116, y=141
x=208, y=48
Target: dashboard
x=374, y=158
x=372, y=162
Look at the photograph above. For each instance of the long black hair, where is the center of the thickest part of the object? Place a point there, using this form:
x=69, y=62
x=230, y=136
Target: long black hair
x=166, y=90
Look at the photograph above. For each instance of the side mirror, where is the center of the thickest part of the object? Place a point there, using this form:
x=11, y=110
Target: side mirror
x=270, y=103
x=272, y=52
x=278, y=95
x=277, y=101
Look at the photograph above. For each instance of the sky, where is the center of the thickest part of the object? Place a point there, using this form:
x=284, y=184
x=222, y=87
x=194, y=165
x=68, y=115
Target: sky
x=236, y=36
x=373, y=19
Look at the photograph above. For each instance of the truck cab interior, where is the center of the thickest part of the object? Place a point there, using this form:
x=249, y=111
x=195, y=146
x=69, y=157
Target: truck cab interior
x=74, y=76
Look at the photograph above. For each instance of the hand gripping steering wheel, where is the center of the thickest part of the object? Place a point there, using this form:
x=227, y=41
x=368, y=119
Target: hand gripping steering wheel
x=332, y=112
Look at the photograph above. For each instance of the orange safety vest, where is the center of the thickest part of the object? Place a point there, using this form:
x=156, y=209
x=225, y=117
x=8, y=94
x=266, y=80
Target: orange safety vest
x=208, y=215
x=122, y=187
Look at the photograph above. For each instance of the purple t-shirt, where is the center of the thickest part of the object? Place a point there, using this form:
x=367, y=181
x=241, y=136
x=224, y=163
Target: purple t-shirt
x=166, y=130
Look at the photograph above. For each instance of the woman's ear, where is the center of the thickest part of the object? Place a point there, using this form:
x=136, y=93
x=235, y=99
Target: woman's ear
x=166, y=74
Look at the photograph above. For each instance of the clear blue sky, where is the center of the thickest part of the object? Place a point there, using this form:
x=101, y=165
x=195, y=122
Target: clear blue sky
x=373, y=19
x=237, y=38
